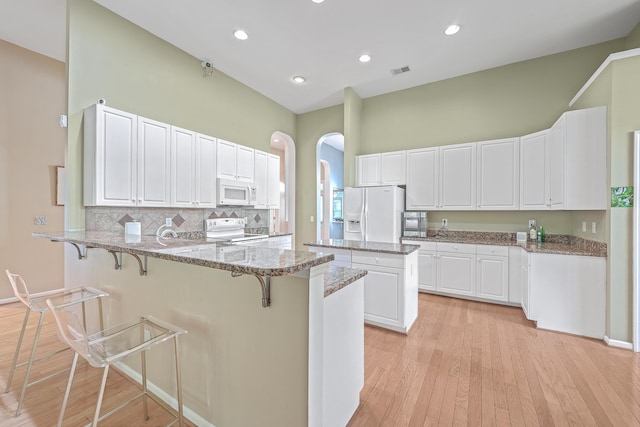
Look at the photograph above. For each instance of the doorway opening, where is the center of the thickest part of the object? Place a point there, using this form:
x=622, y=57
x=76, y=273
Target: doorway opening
x=330, y=186
x=283, y=220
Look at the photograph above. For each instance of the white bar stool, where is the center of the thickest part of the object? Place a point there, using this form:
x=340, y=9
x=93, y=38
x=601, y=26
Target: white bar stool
x=39, y=304
x=110, y=346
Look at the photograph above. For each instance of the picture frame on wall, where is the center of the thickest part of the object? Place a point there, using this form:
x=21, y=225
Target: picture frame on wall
x=61, y=185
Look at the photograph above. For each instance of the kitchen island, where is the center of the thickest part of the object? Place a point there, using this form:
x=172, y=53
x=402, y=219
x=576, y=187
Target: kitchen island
x=275, y=337
x=391, y=285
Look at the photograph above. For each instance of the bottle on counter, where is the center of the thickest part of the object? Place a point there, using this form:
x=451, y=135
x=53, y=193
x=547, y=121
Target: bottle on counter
x=532, y=233
x=542, y=234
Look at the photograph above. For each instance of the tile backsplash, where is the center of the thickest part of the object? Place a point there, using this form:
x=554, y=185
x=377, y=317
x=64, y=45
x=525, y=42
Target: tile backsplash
x=184, y=220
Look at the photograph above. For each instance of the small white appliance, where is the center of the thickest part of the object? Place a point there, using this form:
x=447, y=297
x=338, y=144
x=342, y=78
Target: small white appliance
x=235, y=193
x=373, y=214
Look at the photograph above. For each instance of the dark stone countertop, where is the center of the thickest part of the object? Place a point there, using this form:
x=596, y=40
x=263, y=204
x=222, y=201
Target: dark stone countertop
x=235, y=258
x=356, y=245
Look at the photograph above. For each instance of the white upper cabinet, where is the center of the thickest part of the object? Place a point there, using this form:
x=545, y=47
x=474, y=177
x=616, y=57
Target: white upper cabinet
x=154, y=151
x=585, y=159
x=273, y=182
x=261, y=166
x=534, y=170
x=565, y=166
x=183, y=167
x=126, y=159
x=381, y=169
x=193, y=176
x=422, y=179
x=393, y=168
x=267, y=180
x=205, y=194
x=498, y=174
x=110, y=157
x=458, y=177
x=555, y=162
x=368, y=170
x=235, y=162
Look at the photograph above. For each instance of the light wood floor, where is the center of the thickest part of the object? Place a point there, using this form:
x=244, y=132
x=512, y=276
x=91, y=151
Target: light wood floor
x=463, y=363
x=470, y=363
x=42, y=402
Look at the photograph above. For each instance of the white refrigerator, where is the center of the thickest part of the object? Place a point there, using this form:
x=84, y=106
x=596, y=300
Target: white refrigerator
x=373, y=214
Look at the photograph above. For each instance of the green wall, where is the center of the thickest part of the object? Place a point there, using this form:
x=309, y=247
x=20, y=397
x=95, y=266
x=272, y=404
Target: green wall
x=310, y=128
x=109, y=57
x=633, y=39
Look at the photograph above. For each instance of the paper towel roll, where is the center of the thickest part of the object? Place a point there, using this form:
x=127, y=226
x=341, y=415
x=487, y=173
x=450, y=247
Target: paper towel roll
x=133, y=228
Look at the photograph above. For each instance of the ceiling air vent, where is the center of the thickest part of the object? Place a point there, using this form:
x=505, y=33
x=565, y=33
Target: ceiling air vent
x=401, y=70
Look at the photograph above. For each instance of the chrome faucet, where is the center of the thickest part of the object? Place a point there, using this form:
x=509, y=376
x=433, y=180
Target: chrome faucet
x=164, y=233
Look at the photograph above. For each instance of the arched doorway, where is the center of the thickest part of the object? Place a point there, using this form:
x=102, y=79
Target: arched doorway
x=330, y=150
x=285, y=218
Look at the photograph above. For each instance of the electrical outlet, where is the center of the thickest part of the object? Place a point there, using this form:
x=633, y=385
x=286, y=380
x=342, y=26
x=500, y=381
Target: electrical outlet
x=444, y=222
x=584, y=226
x=593, y=227
x=168, y=222
x=40, y=220
x=311, y=218
x=532, y=223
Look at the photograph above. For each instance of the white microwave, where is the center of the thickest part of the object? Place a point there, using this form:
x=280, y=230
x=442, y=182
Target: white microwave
x=235, y=193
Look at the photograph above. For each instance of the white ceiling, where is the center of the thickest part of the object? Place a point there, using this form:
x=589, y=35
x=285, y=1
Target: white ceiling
x=323, y=41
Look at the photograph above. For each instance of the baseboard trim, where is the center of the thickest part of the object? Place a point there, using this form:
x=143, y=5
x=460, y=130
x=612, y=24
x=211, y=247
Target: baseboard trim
x=8, y=300
x=167, y=398
x=618, y=344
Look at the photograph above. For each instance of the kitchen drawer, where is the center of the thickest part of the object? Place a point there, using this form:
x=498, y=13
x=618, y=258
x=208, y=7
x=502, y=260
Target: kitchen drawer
x=462, y=248
x=492, y=250
x=375, y=258
x=424, y=246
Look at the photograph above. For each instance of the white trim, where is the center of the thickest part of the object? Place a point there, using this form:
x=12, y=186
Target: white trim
x=636, y=245
x=618, y=344
x=8, y=300
x=167, y=398
x=613, y=57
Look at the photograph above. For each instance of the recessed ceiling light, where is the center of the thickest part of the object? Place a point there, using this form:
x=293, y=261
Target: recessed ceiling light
x=452, y=29
x=317, y=1
x=364, y=57
x=240, y=34
x=298, y=79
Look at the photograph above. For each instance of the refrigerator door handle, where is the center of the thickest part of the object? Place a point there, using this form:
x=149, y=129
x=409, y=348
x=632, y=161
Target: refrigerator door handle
x=363, y=223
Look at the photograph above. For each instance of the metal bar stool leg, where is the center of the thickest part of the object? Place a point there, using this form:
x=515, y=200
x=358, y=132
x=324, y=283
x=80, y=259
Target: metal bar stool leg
x=66, y=393
x=178, y=382
x=96, y=417
x=19, y=346
x=145, y=406
x=31, y=357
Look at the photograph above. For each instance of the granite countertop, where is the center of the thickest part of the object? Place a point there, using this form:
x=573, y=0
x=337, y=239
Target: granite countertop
x=554, y=244
x=238, y=259
x=339, y=277
x=356, y=245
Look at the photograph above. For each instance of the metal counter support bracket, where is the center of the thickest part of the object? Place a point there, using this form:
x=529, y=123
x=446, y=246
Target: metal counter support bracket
x=265, y=285
x=118, y=261
x=117, y=257
x=141, y=264
x=81, y=253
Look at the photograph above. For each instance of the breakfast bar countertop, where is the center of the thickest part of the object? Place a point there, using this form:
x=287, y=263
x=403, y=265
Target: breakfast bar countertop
x=237, y=259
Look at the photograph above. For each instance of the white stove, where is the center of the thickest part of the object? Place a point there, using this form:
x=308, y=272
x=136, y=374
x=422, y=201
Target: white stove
x=229, y=230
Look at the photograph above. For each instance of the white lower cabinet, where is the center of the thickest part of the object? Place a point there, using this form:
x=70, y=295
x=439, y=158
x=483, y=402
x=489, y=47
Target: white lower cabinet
x=492, y=272
x=427, y=270
x=471, y=271
x=390, y=288
x=456, y=269
x=566, y=293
